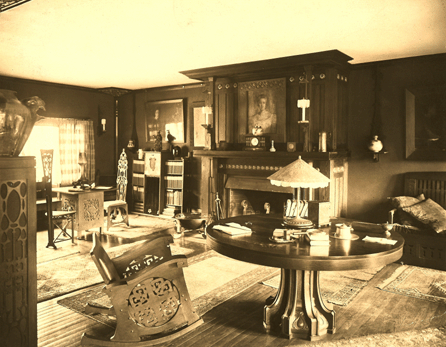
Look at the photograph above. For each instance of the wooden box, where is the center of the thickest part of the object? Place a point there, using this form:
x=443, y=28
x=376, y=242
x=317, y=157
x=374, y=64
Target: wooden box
x=319, y=212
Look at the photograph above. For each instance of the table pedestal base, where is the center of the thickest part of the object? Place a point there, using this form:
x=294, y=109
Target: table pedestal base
x=298, y=310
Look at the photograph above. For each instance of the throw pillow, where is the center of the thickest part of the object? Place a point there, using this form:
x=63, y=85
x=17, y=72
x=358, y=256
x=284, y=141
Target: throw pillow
x=406, y=201
x=430, y=213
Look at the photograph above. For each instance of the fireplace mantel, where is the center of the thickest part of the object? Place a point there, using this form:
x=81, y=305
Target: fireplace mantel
x=242, y=166
x=307, y=156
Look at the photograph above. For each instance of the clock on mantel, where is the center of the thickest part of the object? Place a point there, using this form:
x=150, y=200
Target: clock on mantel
x=256, y=142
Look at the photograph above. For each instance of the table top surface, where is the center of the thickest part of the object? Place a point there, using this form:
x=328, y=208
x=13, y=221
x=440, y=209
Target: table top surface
x=71, y=190
x=340, y=255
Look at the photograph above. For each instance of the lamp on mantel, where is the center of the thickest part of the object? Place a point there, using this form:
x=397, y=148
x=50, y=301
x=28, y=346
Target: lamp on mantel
x=299, y=174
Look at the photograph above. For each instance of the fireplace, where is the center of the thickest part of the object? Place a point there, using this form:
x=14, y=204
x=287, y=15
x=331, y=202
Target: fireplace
x=241, y=176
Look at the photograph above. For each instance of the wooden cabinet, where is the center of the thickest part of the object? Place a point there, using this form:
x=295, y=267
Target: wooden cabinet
x=174, y=187
x=18, y=269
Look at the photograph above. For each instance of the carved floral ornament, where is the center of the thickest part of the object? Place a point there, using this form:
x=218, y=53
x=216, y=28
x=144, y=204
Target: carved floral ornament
x=276, y=83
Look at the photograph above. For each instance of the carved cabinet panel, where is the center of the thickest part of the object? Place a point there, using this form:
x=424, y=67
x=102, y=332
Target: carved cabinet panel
x=18, y=269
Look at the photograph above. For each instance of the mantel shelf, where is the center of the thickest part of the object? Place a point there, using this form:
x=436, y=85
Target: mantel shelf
x=267, y=154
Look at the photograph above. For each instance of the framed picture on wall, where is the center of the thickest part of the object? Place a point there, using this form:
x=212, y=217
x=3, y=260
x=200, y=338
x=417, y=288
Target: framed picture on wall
x=166, y=116
x=199, y=136
x=262, y=103
x=426, y=123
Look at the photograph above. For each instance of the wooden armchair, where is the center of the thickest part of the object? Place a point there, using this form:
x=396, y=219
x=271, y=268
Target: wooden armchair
x=117, y=210
x=149, y=294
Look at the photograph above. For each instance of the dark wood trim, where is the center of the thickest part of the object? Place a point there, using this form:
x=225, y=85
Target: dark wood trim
x=283, y=65
x=276, y=155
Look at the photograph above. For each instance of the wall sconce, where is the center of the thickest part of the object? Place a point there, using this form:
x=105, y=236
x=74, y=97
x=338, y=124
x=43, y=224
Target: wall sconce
x=101, y=121
x=304, y=125
x=376, y=147
x=208, y=126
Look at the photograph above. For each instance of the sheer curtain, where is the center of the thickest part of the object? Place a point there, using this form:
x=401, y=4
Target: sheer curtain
x=76, y=136
x=67, y=137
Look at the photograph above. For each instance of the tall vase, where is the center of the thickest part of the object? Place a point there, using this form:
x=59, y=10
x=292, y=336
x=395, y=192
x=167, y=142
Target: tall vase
x=17, y=119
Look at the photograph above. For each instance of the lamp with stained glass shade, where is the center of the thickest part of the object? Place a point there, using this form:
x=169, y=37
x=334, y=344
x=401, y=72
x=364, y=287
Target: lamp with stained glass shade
x=297, y=175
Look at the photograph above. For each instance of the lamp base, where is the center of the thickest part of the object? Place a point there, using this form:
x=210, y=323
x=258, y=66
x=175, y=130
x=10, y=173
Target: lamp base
x=299, y=223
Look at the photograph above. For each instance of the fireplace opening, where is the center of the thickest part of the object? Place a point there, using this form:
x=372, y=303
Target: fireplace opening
x=243, y=201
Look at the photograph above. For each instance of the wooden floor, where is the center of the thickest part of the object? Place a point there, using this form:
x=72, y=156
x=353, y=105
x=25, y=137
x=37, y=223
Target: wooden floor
x=238, y=321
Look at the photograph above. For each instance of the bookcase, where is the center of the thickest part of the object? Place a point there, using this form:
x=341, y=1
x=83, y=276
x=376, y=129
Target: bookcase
x=174, y=186
x=138, y=185
x=148, y=183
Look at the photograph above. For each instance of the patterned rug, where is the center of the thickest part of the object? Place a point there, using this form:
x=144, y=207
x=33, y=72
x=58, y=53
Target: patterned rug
x=211, y=280
x=74, y=272
x=140, y=227
x=338, y=287
x=417, y=282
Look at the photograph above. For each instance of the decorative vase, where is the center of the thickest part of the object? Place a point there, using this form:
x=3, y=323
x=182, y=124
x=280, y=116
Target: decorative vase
x=158, y=142
x=375, y=145
x=17, y=119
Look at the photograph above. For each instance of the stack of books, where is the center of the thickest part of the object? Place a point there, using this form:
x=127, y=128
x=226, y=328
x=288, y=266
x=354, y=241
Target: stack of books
x=318, y=238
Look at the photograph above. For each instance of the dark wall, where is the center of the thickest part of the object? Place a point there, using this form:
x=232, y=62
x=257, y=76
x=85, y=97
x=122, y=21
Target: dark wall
x=132, y=106
x=63, y=101
x=370, y=183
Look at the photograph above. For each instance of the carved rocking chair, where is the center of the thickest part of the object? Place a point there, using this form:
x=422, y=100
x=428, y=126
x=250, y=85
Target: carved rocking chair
x=117, y=210
x=149, y=294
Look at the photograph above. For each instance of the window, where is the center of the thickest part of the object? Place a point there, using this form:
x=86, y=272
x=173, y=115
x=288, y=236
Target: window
x=68, y=138
x=44, y=137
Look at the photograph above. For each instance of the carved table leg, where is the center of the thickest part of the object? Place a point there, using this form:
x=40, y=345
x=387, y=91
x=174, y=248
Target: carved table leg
x=272, y=313
x=298, y=308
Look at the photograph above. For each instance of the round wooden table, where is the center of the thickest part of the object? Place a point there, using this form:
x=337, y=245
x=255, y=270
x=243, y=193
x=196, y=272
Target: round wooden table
x=298, y=309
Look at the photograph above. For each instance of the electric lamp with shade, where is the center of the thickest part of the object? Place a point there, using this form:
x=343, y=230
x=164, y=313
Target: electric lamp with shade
x=297, y=175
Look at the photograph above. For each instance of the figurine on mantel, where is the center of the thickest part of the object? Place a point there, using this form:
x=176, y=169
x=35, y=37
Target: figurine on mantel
x=158, y=142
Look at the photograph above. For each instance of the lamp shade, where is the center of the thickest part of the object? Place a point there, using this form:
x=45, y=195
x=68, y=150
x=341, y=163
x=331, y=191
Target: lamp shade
x=299, y=174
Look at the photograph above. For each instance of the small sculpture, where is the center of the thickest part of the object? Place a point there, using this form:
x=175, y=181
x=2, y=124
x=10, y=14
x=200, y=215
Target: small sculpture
x=257, y=130
x=158, y=142
x=267, y=207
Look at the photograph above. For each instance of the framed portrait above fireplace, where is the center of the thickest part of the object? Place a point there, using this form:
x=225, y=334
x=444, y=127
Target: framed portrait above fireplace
x=262, y=104
x=426, y=123
x=166, y=116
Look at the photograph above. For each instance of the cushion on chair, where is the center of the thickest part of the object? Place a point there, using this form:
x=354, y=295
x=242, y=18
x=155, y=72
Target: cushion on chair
x=429, y=213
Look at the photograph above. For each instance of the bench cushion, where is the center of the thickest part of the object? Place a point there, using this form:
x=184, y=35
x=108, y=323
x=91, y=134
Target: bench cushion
x=430, y=213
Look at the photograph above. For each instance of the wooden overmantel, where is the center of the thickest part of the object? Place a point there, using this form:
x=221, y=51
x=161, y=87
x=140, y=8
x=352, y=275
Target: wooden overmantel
x=320, y=77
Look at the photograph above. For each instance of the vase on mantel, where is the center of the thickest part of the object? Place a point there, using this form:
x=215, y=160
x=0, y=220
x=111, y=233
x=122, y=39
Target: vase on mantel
x=17, y=119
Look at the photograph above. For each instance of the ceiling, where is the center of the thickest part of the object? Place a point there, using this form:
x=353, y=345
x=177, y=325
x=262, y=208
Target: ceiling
x=145, y=43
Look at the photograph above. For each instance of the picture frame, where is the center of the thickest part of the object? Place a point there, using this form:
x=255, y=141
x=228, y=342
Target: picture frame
x=262, y=103
x=426, y=123
x=165, y=116
x=199, y=132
